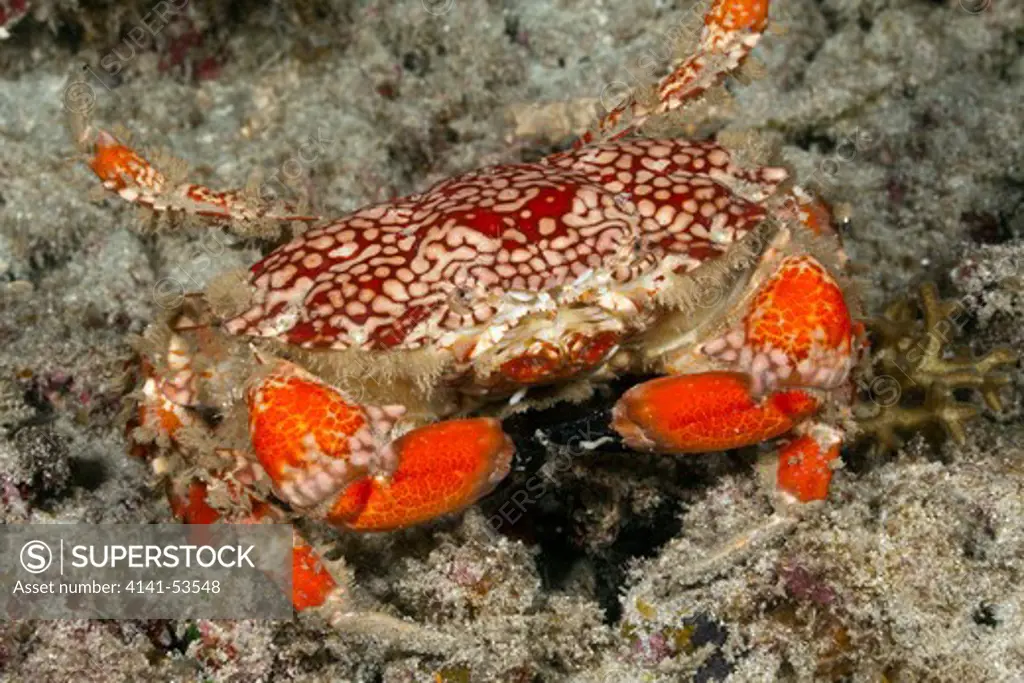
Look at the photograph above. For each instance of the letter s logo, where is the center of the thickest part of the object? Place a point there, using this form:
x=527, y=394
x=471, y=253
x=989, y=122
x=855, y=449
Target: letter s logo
x=36, y=557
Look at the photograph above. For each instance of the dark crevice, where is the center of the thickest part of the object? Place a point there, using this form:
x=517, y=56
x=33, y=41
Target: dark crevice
x=572, y=503
x=812, y=140
x=87, y=473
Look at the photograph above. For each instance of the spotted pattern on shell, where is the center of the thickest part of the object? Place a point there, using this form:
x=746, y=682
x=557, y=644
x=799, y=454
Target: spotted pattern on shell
x=684, y=191
x=401, y=274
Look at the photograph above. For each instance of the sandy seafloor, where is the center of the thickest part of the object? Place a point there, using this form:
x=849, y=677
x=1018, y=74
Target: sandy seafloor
x=909, y=111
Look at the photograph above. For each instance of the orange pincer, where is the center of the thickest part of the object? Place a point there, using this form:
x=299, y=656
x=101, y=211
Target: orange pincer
x=300, y=429
x=800, y=308
x=703, y=412
x=443, y=467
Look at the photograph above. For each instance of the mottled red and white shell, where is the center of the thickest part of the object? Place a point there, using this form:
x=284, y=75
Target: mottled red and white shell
x=498, y=243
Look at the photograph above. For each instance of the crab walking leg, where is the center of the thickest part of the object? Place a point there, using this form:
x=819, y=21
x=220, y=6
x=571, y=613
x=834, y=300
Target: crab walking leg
x=162, y=411
x=805, y=463
x=315, y=591
x=312, y=582
x=325, y=452
x=135, y=180
x=731, y=30
x=156, y=412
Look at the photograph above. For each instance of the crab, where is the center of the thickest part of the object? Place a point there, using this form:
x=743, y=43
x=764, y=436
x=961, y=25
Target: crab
x=360, y=372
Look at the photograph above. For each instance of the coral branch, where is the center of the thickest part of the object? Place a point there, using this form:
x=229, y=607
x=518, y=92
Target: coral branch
x=918, y=357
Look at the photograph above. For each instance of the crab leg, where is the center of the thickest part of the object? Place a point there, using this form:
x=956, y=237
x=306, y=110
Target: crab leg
x=327, y=453
x=322, y=451
x=135, y=180
x=797, y=341
x=805, y=463
x=312, y=582
x=161, y=412
x=315, y=591
x=731, y=30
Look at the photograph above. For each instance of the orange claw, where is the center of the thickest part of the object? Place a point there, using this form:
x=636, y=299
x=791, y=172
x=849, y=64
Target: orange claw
x=705, y=412
x=443, y=468
x=801, y=308
x=300, y=427
x=804, y=468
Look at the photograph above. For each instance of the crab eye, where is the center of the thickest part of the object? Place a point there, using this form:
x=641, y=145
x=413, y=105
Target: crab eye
x=460, y=300
x=842, y=216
